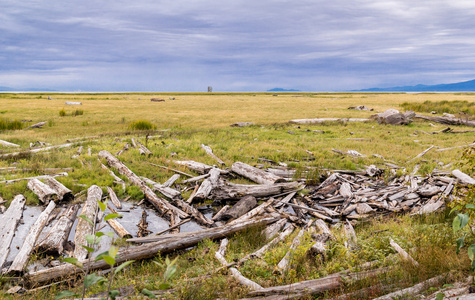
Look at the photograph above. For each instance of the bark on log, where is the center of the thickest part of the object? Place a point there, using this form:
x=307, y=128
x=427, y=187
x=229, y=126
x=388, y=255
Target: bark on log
x=118, y=228
x=447, y=121
x=21, y=259
x=463, y=177
x=255, y=174
x=166, y=209
x=8, y=223
x=209, y=151
x=240, y=208
x=145, y=251
x=8, y=144
x=64, y=194
x=231, y=191
x=43, y=191
x=53, y=242
x=114, y=198
x=94, y=194
x=208, y=184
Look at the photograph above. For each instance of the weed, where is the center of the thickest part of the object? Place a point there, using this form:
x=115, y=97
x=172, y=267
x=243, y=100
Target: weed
x=141, y=125
x=62, y=112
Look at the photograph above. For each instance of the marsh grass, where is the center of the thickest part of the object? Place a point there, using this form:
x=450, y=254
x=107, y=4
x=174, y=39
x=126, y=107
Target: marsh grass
x=6, y=124
x=456, y=107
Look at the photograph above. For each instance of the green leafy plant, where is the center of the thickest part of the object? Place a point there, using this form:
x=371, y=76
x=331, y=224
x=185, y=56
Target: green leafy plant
x=108, y=256
x=170, y=270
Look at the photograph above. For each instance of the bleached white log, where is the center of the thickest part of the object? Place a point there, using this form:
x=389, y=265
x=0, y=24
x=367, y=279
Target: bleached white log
x=8, y=223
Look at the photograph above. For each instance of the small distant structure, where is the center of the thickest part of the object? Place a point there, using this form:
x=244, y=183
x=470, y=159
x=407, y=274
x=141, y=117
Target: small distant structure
x=210, y=89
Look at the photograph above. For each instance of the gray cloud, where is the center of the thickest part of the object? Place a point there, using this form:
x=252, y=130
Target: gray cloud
x=243, y=45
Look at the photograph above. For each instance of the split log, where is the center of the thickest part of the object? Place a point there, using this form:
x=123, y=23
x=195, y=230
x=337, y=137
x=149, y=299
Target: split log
x=464, y=178
x=118, y=228
x=83, y=228
x=234, y=272
x=114, y=199
x=402, y=252
x=208, y=184
x=8, y=144
x=218, y=216
x=230, y=191
x=165, y=208
x=421, y=154
x=209, y=151
x=146, y=251
x=260, y=209
x=23, y=255
x=64, y=194
x=43, y=191
x=171, y=180
x=322, y=120
x=53, y=242
x=164, y=190
x=255, y=174
x=32, y=151
x=8, y=223
x=447, y=121
x=240, y=208
x=195, y=166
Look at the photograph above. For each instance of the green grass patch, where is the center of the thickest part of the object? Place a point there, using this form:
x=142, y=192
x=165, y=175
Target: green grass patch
x=141, y=125
x=6, y=124
x=457, y=107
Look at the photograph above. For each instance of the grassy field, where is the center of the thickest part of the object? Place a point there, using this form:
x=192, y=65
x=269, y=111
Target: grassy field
x=183, y=124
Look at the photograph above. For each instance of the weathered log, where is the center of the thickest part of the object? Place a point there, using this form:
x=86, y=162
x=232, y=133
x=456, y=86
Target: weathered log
x=284, y=263
x=72, y=103
x=273, y=229
x=197, y=178
x=8, y=223
x=43, y=191
x=199, y=217
x=64, y=194
x=83, y=228
x=21, y=259
x=192, y=195
x=320, y=247
x=218, y=216
x=44, y=170
x=165, y=208
x=117, y=179
x=37, y=125
x=208, y=184
x=464, y=178
x=126, y=147
x=240, y=208
x=209, y=151
x=118, y=228
x=8, y=144
x=448, y=121
x=231, y=191
x=255, y=174
x=35, y=177
x=195, y=166
x=402, y=252
x=32, y=151
x=164, y=190
x=170, y=169
x=456, y=147
x=322, y=120
x=312, y=211
x=171, y=180
x=285, y=200
x=284, y=234
x=256, y=211
x=414, y=290
x=143, y=150
x=350, y=235
x=234, y=272
x=146, y=250
x=53, y=242
x=114, y=198
x=242, y=124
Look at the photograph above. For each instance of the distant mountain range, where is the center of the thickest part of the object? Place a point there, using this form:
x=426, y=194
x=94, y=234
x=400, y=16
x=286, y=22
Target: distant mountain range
x=465, y=86
x=9, y=89
x=282, y=90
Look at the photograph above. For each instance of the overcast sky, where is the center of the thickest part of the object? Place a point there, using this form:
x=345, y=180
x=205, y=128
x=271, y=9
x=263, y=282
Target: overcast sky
x=247, y=45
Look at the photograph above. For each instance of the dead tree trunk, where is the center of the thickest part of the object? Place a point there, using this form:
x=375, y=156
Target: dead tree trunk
x=23, y=255
x=94, y=194
x=8, y=223
x=146, y=250
x=240, y=208
x=255, y=174
x=44, y=192
x=64, y=194
x=208, y=184
x=53, y=242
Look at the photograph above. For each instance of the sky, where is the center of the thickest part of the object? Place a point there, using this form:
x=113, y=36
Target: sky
x=242, y=45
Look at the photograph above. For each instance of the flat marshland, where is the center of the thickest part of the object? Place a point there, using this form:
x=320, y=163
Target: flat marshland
x=178, y=128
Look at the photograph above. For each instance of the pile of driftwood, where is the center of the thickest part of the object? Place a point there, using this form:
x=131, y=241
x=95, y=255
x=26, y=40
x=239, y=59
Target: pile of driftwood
x=283, y=209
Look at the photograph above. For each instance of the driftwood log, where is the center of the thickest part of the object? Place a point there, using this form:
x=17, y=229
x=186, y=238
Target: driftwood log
x=32, y=151
x=232, y=191
x=21, y=259
x=171, y=180
x=83, y=228
x=53, y=242
x=195, y=166
x=8, y=144
x=164, y=190
x=208, y=184
x=43, y=191
x=255, y=174
x=240, y=208
x=8, y=223
x=118, y=228
x=146, y=250
x=114, y=198
x=64, y=194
